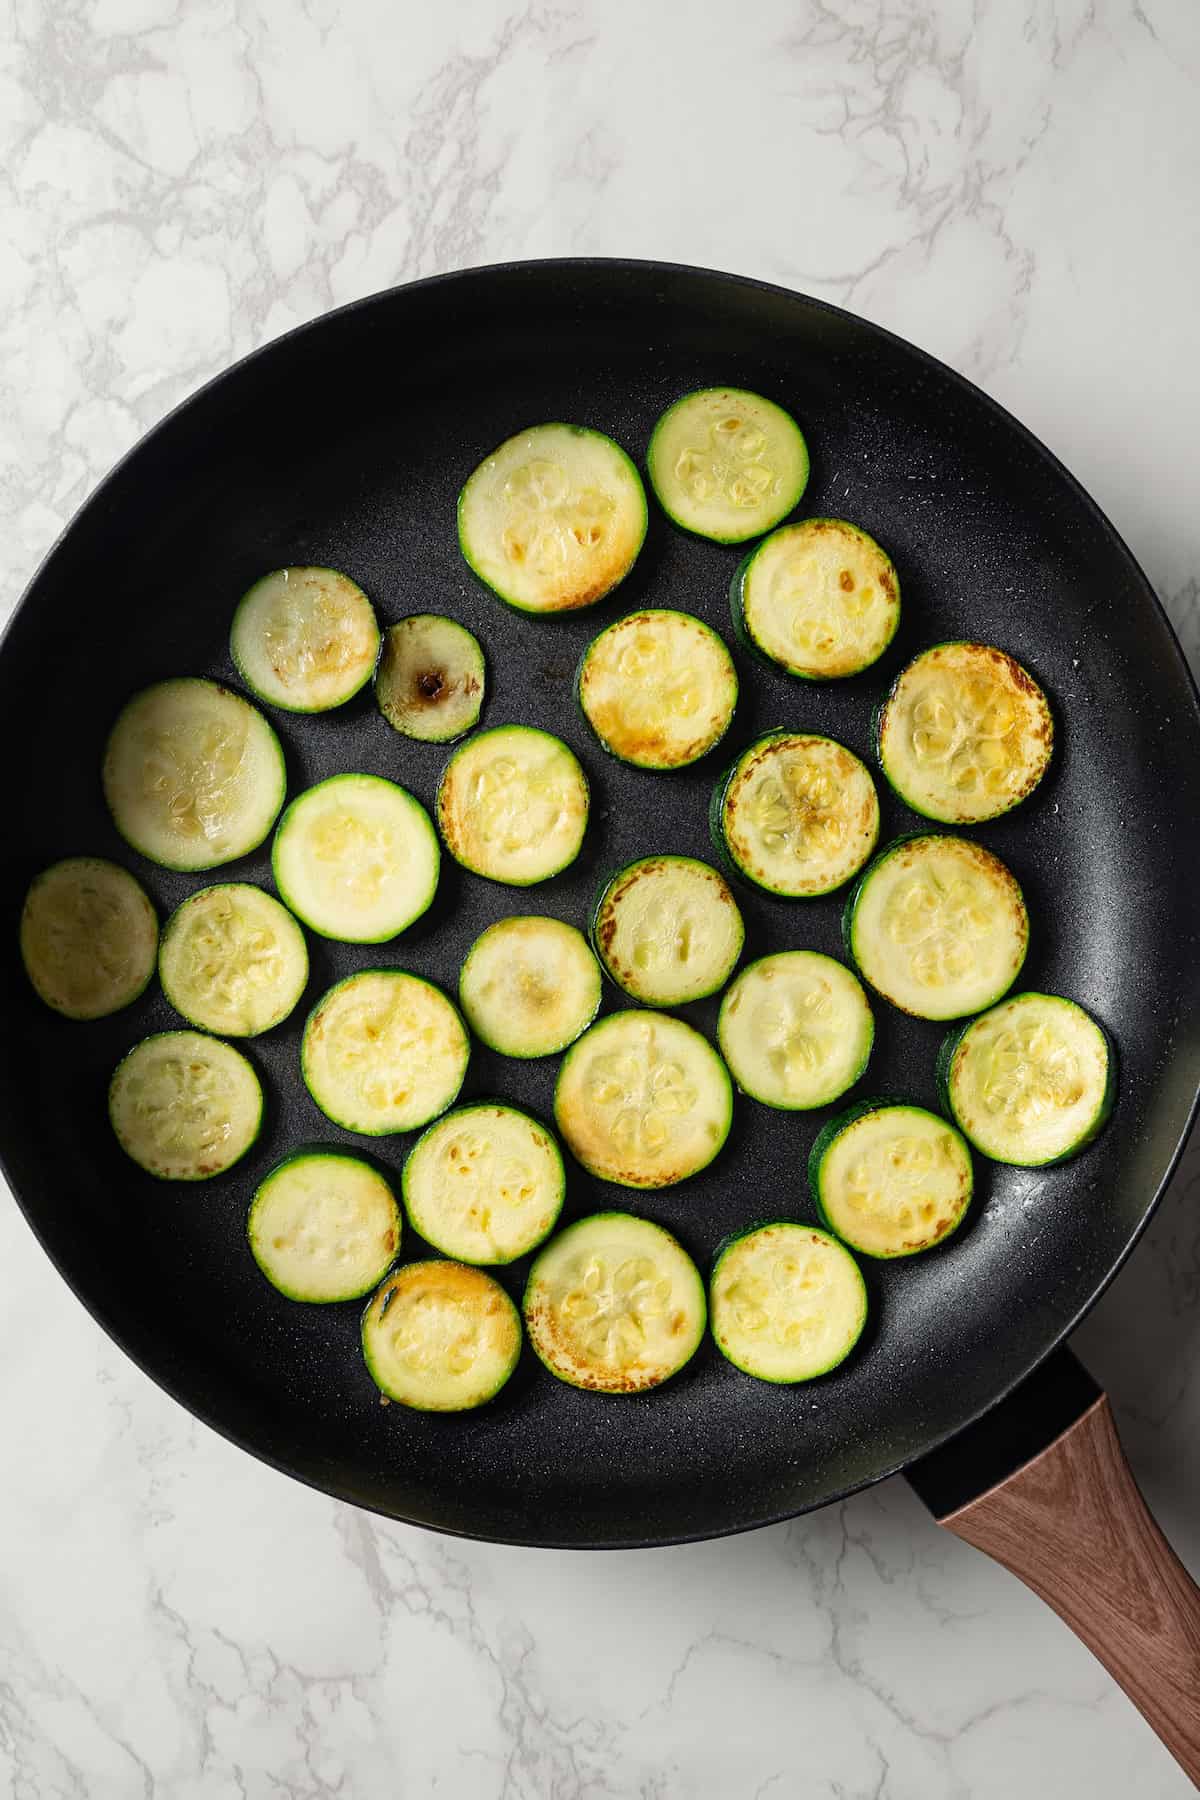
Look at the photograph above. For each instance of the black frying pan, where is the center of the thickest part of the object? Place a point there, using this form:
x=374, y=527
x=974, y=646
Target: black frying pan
x=346, y=443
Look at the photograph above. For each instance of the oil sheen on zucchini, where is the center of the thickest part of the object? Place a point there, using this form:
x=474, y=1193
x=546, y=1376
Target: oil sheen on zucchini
x=323, y=1226
x=787, y=1302
x=727, y=464
x=384, y=1051
x=430, y=680
x=529, y=986
x=819, y=599
x=795, y=1029
x=512, y=804
x=658, y=689
x=891, y=1179
x=305, y=639
x=232, y=960
x=796, y=814
x=89, y=936
x=667, y=929
x=484, y=1184
x=356, y=858
x=185, y=1105
x=440, y=1337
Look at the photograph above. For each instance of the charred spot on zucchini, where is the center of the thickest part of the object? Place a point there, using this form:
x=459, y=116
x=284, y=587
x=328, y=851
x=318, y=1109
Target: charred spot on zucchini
x=819, y=599
x=787, y=1302
x=484, y=1184
x=529, y=986
x=356, y=858
x=727, y=464
x=667, y=929
x=430, y=680
x=512, y=805
x=795, y=1030
x=440, y=1337
x=185, y=1106
x=796, y=814
x=384, y=1051
x=88, y=936
x=658, y=688
x=304, y=639
x=232, y=960
x=891, y=1179
x=323, y=1227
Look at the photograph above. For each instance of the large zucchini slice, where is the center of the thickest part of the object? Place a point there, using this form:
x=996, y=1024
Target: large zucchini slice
x=787, y=1302
x=727, y=464
x=304, y=639
x=440, y=1337
x=356, y=858
x=184, y=1105
x=529, y=986
x=658, y=689
x=667, y=929
x=938, y=926
x=891, y=1179
x=430, y=680
x=1030, y=1082
x=232, y=960
x=643, y=1100
x=324, y=1226
x=553, y=519
x=615, y=1304
x=384, y=1051
x=193, y=774
x=89, y=936
x=512, y=804
x=965, y=734
x=796, y=814
x=484, y=1184
x=795, y=1029
x=819, y=599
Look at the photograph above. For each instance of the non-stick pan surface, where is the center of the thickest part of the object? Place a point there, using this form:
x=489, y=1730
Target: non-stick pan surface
x=346, y=444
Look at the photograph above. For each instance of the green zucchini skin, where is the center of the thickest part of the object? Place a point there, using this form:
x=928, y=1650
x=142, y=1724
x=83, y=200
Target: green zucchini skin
x=828, y=1136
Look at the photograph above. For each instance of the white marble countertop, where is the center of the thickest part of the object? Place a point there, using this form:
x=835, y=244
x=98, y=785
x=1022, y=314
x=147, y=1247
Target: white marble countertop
x=1013, y=186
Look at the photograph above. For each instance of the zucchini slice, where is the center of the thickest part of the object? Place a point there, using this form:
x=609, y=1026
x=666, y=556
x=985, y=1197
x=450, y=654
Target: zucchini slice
x=553, y=519
x=1030, y=1082
x=430, y=680
x=304, y=639
x=796, y=814
x=384, y=1051
x=668, y=930
x=614, y=1303
x=89, y=937
x=356, y=858
x=485, y=1184
x=819, y=599
x=232, y=960
x=965, y=734
x=184, y=1105
x=658, y=689
x=529, y=986
x=891, y=1179
x=787, y=1302
x=193, y=774
x=643, y=1100
x=440, y=1337
x=512, y=804
x=938, y=926
x=324, y=1226
x=727, y=464
x=796, y=1030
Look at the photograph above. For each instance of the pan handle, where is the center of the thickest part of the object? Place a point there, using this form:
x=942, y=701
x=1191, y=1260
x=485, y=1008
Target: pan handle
x=1069, y=1520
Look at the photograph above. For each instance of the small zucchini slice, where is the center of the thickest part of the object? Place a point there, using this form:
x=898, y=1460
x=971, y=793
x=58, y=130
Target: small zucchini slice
x=384, y=1051
x=668, y=930
x=232, y=960
x=819, y=599
x=430, y=680
x=512, y=804
x=324, y=1226
x=440, y=1337
x=1031, y=1082
x=658, y=689
x=304, y=639
x=89, y=936
x=184, y=1105
x=796, y=1030
x=193, y=774
x=787, y=1302
x=965, y=734
x=529, y=986
x=356, y=858
x=891, y=1179
x=938, y=926
x=727, y=464
x=796, y=814
x=615, y=1304
x=484, y=1184
x=553, y=519
x=643, y=1100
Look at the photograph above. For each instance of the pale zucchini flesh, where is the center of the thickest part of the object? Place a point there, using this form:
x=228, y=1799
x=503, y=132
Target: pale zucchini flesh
x=796, y=814
x=232, y=960
x=727, y=464
x=430, y=680
x=89, y=937
x=384, y=1051
x=184, y=1105
x=819, y=599
x=513, y=805
x=529, y=986
x=614, y=1303
x=643, y=1100
x=787, y=1302
x=658, y=689
x=485, y=1184
x=668, y=930
x=324, y=1227
x=305, y=639
x=356, y=858
x=440, y=1337
x=553, y=519
x=796, y=1030
x=193, y=774
x=891, y=1179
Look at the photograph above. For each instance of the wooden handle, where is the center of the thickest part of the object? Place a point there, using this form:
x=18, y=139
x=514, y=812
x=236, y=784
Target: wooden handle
x=1073, y=1525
